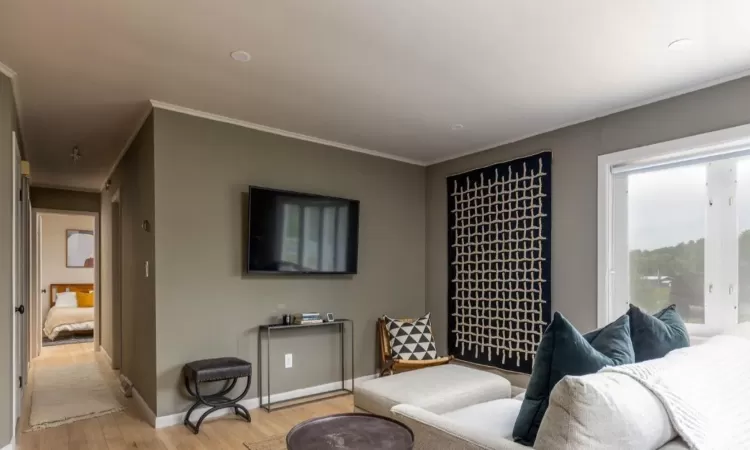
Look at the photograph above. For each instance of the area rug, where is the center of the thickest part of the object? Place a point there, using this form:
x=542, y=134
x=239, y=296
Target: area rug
x=274, y=443
x=68, y=393
x=499, y=266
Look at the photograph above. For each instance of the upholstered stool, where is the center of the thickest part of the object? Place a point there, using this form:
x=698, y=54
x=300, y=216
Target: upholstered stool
x=228, y=370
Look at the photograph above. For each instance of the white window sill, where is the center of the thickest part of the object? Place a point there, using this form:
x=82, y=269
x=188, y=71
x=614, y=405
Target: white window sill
x=703, y=331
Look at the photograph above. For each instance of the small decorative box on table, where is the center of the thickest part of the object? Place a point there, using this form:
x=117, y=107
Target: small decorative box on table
x=228, y=370
x=339, y=324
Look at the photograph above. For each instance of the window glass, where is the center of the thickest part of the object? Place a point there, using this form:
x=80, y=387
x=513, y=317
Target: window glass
x=666, y=237
x=743, y=212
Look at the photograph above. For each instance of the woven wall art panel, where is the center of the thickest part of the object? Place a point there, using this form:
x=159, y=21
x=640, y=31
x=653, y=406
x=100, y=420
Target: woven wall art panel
x=499, y=230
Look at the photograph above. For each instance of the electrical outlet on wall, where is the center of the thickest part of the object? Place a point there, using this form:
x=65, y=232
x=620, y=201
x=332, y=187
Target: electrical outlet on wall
x=288, y=361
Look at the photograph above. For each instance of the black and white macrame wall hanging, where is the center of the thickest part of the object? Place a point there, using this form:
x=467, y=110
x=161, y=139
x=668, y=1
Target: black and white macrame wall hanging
x=499, y=229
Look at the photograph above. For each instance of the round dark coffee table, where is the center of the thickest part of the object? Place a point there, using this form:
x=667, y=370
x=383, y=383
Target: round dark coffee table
x=352, y=431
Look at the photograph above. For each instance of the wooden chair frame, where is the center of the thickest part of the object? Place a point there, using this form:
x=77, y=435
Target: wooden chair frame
x=390, y=366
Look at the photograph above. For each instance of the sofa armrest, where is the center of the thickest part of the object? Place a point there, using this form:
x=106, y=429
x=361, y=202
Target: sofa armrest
x=432, y=431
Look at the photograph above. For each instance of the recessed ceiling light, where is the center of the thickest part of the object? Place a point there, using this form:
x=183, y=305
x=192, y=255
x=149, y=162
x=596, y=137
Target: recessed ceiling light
x=240, y=55
x=457, y=126
x=680, y=44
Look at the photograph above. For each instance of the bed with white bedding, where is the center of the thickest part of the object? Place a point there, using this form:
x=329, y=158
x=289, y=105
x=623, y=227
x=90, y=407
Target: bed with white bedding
x=65, y=317
x=62, y=319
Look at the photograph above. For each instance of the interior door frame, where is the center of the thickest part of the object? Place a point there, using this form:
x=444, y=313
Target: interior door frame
x=35, y=308
x=116, y=264
x=38, y=297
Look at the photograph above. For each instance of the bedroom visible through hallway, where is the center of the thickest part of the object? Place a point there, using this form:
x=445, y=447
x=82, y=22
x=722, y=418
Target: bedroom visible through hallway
x=66, y=278
x=67, y=383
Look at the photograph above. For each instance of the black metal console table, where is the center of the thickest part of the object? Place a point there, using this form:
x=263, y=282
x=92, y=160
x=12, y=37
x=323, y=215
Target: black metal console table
x=267, y=329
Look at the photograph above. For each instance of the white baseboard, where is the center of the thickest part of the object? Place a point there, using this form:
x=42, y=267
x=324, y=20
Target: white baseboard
x=253, y=403
x=11, y=445
x=143, y=408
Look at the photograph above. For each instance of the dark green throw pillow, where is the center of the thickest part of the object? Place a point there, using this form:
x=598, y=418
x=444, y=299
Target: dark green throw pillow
x=564, y=351
x=655, y=336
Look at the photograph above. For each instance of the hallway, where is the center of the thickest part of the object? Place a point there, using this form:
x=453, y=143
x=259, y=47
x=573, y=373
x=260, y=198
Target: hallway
x=126, y=430
x=67, y=361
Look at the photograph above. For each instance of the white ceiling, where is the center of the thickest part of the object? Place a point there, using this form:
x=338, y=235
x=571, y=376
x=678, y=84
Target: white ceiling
x=387, y=76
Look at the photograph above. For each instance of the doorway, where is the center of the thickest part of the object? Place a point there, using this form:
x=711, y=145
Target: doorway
x=70, y=380
x=67, y=278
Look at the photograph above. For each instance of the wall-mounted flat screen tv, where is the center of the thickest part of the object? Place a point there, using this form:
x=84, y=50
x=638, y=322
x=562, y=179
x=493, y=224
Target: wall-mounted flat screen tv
x=296, y=233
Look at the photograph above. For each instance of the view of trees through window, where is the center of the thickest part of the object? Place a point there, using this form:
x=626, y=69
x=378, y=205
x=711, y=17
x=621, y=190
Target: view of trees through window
x=666, y=239
x=669, y=275
x=674, y=275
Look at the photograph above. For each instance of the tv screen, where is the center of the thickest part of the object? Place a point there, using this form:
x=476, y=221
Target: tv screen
x=291, y=232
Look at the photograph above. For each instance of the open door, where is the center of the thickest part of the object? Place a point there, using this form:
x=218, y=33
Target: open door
x=20, y=284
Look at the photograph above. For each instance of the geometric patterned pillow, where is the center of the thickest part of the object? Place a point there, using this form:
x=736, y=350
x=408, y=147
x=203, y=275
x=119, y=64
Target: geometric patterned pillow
x=411, y=341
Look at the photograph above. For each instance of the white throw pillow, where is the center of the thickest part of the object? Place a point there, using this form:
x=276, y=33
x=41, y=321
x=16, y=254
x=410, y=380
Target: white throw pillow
x=603, y=411
x=66, y=300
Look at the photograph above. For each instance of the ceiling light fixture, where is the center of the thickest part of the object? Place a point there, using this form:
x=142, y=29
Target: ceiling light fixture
x=680, y=44
x=240, y=55
x=457, y=126
x=75, y=155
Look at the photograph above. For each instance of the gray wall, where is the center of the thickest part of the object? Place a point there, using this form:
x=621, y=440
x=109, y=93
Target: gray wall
x=134, y=178
x=574, y=189
x=207, y=308
x=7, y=126
x=62, y=199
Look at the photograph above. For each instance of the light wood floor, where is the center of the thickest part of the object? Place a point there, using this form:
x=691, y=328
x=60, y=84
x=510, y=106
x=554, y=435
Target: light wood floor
x=126, y=430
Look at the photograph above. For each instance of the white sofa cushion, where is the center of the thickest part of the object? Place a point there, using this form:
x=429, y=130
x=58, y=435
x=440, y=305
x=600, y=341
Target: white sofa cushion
x=495, y=418
x=437, y=389
x=605, y=411
x=677, y=444
x=437, y=432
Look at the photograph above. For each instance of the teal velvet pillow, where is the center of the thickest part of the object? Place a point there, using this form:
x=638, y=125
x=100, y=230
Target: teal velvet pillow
x=564, y=351
x=655, y=336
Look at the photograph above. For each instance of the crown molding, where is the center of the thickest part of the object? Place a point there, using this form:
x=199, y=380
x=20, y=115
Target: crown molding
x=126, y=146
x=13, y=76
x=697, y=87
x=290, y=134
x=7, y=71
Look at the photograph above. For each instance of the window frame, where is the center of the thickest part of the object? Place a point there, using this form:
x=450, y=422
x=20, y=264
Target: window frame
x=726, y=143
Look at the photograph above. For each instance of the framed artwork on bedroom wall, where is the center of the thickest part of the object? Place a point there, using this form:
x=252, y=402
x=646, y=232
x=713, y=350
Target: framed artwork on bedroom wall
x=79, y=249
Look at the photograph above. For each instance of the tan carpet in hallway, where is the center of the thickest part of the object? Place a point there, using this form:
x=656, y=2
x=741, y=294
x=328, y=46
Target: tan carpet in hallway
x=67, y=393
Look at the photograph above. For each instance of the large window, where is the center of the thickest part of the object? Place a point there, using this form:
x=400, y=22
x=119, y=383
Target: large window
x=675, y=229
x=743, y=213
x=666, y=235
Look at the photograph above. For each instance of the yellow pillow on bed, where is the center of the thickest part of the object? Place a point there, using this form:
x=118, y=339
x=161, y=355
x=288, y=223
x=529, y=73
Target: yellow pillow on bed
x=85, y=299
